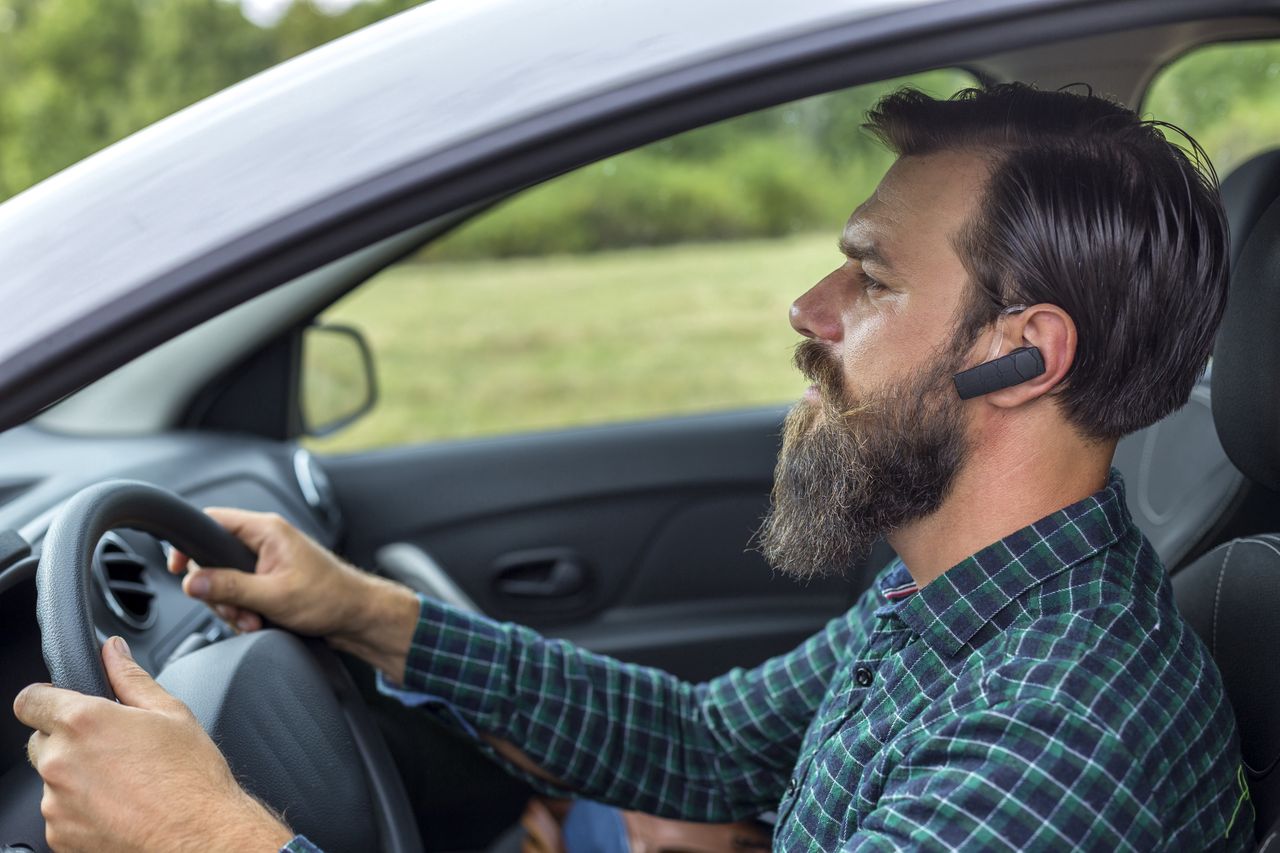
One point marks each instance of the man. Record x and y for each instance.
(1019, 678)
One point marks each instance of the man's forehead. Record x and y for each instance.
(919, 204)
(869, 233)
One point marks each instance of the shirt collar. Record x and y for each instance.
(951, 609)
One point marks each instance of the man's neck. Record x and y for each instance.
(1007, 483)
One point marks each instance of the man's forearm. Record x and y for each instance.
(567, 719)
(386, 617)
(381, 638)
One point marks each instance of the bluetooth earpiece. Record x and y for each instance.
(1021, 365)
(994, 374)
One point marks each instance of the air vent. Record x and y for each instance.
(121, 574)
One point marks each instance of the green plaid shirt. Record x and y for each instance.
(1043, 693)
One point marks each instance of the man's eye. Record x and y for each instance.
(870, 285)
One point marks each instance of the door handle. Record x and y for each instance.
(547, 573)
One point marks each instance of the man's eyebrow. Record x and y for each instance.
(864, 252)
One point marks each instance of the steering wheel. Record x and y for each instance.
(284, 710)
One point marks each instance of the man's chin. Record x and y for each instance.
(809, 413)
(851, 472)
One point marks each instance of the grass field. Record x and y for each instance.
(487, 347)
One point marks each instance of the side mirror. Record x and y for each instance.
(337, 384)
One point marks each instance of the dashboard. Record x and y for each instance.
(132, 593)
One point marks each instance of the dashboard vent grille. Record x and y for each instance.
(122, 577)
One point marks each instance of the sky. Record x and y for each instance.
(264, 13)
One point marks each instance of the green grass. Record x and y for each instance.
(488, 347)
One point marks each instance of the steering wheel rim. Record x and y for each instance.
(70, 647)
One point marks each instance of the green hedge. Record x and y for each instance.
(787, 170)
(766, 187)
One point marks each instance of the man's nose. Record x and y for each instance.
(816, 314)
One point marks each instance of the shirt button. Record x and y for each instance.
(792, 786)
(862, 675)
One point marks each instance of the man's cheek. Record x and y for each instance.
(865, 336)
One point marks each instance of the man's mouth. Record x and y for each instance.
(813, 393)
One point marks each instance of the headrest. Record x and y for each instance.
(1245, 393)
(1246, 194)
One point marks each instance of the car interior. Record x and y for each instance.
(631, 539)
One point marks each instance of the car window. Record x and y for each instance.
(1224, 96)
(653, 283)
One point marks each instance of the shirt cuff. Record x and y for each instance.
(461, 660)
(413, 699)
(459, 669)
(300, 844)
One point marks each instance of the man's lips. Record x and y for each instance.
(813, 393)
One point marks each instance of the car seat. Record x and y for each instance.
(1179, 481)
(1231, 595)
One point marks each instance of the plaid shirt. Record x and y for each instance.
(1043, 693)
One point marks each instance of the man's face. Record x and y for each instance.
(879, 437)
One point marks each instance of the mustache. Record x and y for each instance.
(817, 364)
(822, 368)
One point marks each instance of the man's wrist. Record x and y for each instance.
(250, 825)
(385, 616)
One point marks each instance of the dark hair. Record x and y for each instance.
(1092, 209)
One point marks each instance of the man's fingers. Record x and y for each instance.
(243, 620)
(251, 528)
(228, 586)
(44, 707)
(34, 744)
(178, 562)
(133, 685)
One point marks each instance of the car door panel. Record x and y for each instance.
(632, 540)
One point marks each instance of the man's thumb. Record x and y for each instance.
(132, 684)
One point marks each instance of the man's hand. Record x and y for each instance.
(301, 586)
(139, 775)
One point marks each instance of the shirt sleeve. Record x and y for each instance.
(623, 734)
(1030, 775)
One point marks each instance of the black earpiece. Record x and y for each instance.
(1018, 366)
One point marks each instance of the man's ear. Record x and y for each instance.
(1052, 331)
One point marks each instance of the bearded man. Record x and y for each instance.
(1017, 678)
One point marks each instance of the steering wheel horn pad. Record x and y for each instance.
(266, 704)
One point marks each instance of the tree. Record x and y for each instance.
(80, 74)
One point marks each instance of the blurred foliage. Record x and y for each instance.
(80, 74)
(791, 169)
(1224, 96)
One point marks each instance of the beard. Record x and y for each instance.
(852, 471)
